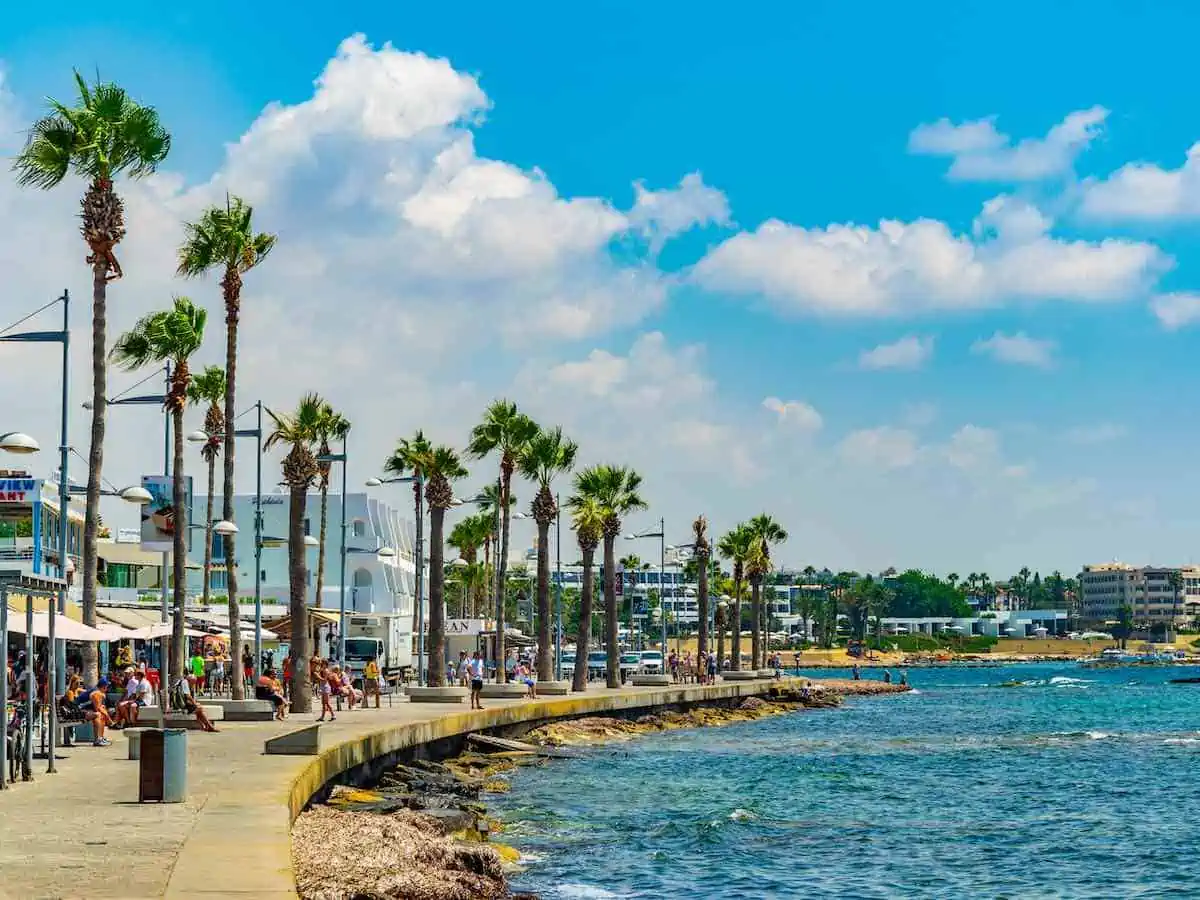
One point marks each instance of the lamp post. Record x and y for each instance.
(722, 607)
(419, 558)
(57, 660)
(558, 590)
(661, 534)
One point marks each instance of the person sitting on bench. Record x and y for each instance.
(182, 699)
(269, 689)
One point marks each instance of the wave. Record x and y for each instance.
(1190, 740)
(742, 815)
(1090, 735)
(585, 892)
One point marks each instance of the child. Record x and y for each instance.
(326, 688)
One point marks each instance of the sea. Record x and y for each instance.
(1023, 781)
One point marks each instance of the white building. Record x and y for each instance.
(1105, 588)
(374, 584)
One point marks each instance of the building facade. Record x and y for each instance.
(373, 584)
(1147, 591)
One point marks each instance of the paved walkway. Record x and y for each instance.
(81, 832)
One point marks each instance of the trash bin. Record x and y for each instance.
(162, 776)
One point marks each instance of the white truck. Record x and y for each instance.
(385, 638)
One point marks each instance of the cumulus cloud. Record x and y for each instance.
(884, 447)
(973, 447)
(905, 268)
(1017, 349)
(1145, 191)
(979, 152)
(910, 352)
(661, 215)
(795, 412)
(1176, 310)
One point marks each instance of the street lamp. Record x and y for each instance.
(722, 607)
(340, 458)
(662, 570)
(418, 555)
(17, 442)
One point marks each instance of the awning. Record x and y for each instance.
(316, 617)
(65, 629)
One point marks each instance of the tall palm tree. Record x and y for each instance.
(104, 135)
(504, 429)
(489, 505)
(1175, 582)
(441, 466)
(587, 518)
(614, 489)
(298, 430)
(631, 564)
(333, 426)
(224, 238)
(736, 545)
(547, 454)
(408, 459)
(701, 551)
(174, 335)
(766, 532)
(209, 387)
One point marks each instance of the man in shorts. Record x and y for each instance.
(476, 670)
(371, 682)
(98, 714)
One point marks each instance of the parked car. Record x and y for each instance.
(568, 664)
(652, 662)
(597, 664)
(631, 663)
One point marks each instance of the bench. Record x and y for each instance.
(152, 716)
(249, 710)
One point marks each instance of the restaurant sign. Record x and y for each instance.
(20, 490)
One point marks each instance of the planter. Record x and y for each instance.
(507, 691)
(650, 680)
(436, 694)
(553, 688)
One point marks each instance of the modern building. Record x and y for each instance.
(29, 510)
(1025, 623)
(374, 584)
(1146, 590)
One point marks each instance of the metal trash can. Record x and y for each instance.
(162, 776)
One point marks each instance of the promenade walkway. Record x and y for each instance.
(81, 832)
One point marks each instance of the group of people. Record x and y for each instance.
(330, 680)
(469, 674)
(856, 674)
(703, 668)
(211, 671)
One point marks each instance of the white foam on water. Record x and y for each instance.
(585, 892)
(1182, 741)
(742, 815)
(1097, 735)
(1065, 681)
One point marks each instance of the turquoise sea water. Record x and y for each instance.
(1078, 783)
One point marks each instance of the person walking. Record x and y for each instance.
(325, 686)
(371, 682)
(476, 671)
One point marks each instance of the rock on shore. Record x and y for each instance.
(339, 854)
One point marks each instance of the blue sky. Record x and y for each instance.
(1073, 446)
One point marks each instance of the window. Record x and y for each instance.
(358, 528)
(307, 525)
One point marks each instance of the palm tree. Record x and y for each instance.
(408, 459)
(701, 551)
(615, 490)
(467, 537)
(506, 430)
(173, 335)
(333, 426)
(441, 466)
(105, 135)
(299, 431)
(587, 517)
(766, 532)
(1175, 581)
(736, 546)
(224, 239)
(489, 505)
(631, 565)
(209, 387)
(547, 454)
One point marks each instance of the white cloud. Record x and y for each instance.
(795, 412)
(906, 268)
(1018, 349)
(910, 352)
(981, 153)
(1177, 309)
(661, 215)
(1099, 433)
(1146, 191)
(918, 415)
(973, 447)
(884, 447)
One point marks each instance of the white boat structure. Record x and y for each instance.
(1114, 657)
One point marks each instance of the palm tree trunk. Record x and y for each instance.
(91, 519)
(583, 634)
(437, 599)
(228, 541)
(502, 567)
(208, 526)
(179, 548)
(735, 640)
(298, 599)
(720, 640)
(320, 595)
(702, 606)
(610, 614)
(545, 660)
(755, 618)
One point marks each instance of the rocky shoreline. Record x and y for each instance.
(423, 832)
